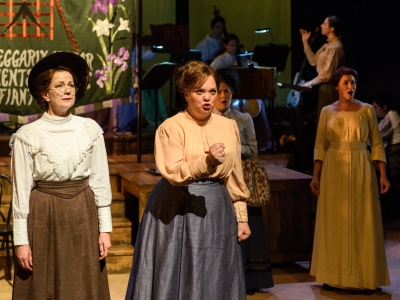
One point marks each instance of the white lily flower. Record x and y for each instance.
(123, 25)
(103, 27)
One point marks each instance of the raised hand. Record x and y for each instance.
(305, 35)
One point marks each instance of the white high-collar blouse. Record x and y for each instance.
(58, 149)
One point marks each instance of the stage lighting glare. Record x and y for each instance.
(262, 30)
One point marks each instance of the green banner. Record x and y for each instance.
(100, 31)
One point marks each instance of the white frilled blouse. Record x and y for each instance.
(58, 149)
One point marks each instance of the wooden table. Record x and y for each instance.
(139, 184)
(290, 215)
(136, 187)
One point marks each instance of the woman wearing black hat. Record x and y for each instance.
(255, 254)
(62, 225)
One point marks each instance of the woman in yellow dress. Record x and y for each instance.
(349, 250)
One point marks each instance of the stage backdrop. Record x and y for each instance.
(98, 30)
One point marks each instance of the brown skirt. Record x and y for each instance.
(63, 236)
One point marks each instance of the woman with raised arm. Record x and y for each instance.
(327, 59)
(61, 190)
(349, 251)
(187, 244)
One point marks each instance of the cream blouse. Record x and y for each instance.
(58, 149)
(182, 147)
(327, 59)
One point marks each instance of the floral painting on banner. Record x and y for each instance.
(100, 31)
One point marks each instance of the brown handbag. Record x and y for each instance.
(256, 180)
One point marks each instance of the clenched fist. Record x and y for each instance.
(217, 154)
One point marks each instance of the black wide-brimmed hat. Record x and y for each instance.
(230, 76)
(61, 59)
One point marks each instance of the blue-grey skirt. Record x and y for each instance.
(187, 245)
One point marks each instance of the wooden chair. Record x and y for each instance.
(6, 230)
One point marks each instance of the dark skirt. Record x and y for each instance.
(187, 245)
(393, 163)
(63, 236)
(327, 95)
(262, 129)
(390, 205)
(255, 253)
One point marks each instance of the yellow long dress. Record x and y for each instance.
(348, 244)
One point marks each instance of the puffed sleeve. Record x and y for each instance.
(321, 142)
(169, 155)
(22, 181)
(311, 56)
(234, 182)
(99, 182)
(249, 146)
(374, 137)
